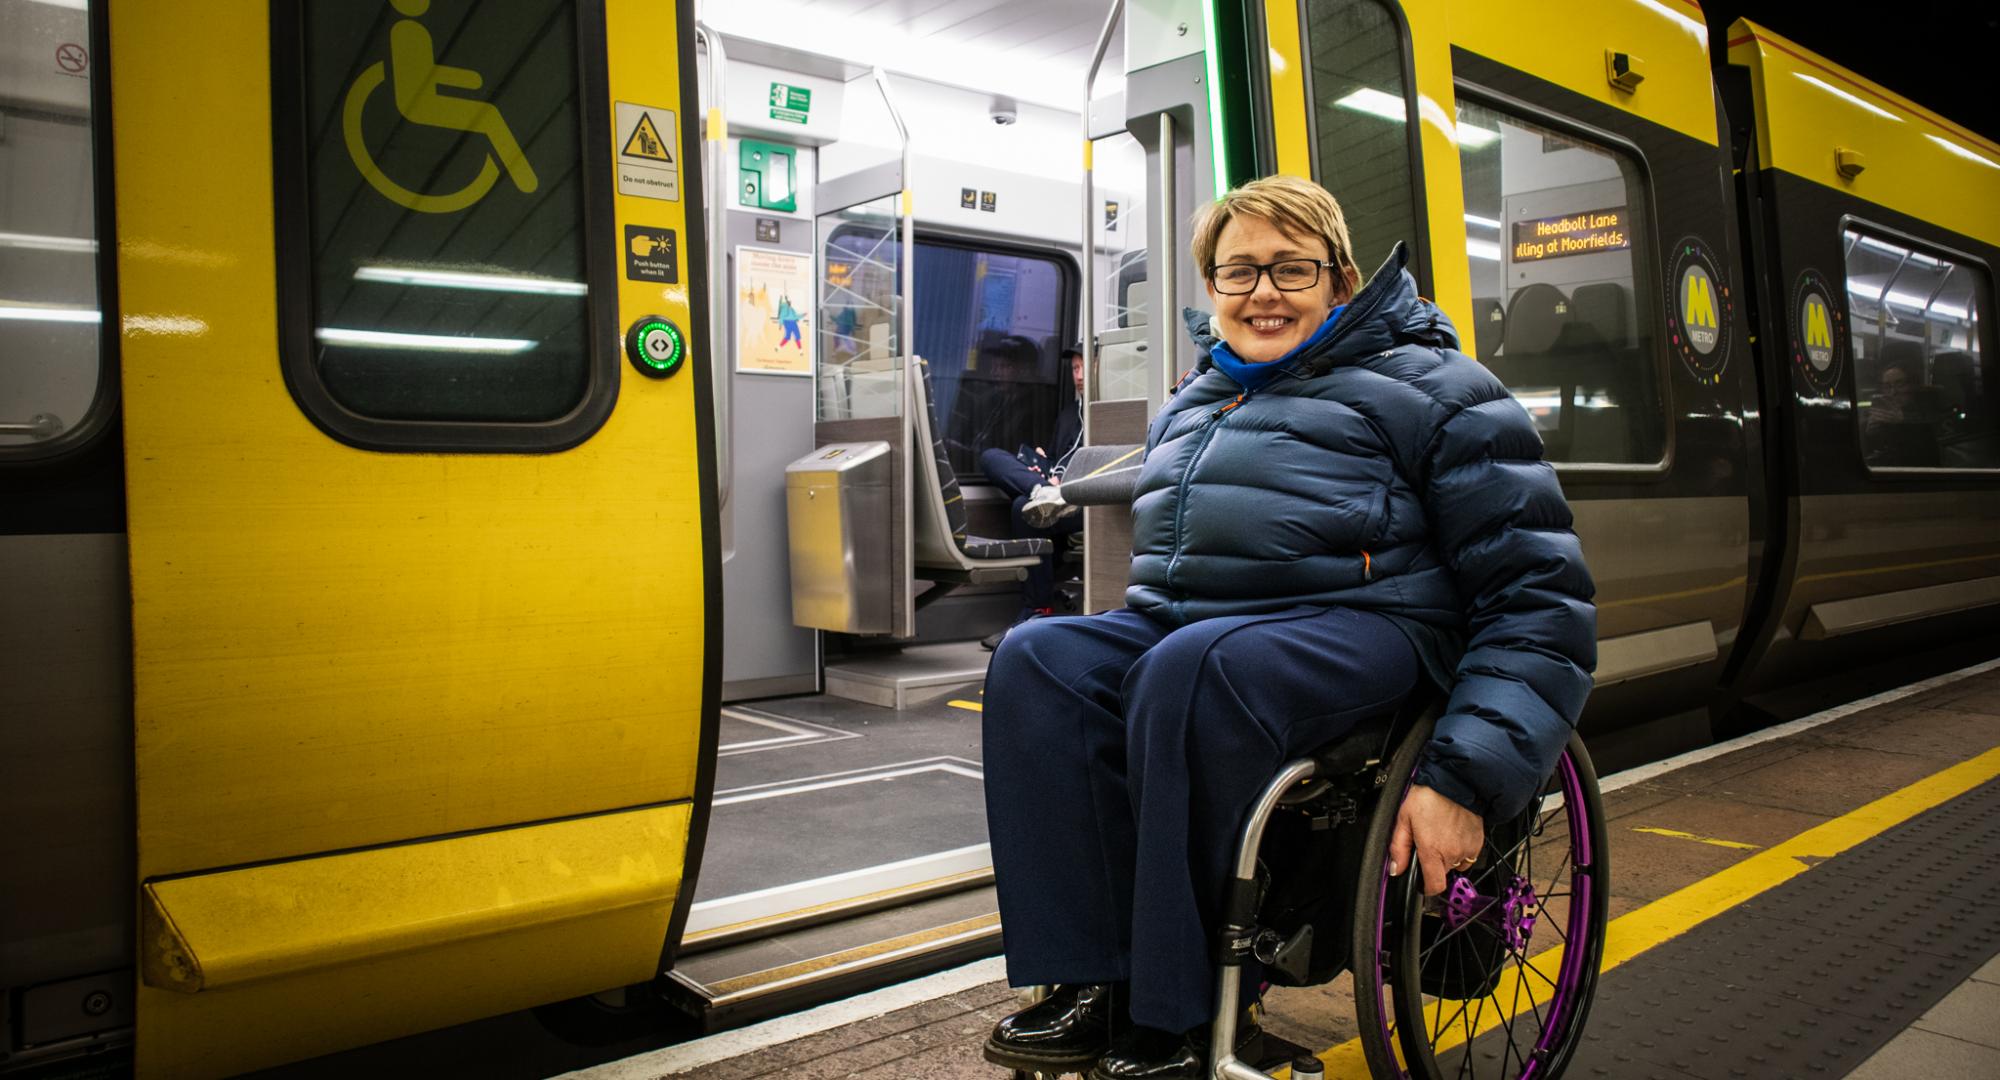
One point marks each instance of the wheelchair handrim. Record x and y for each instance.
(1568, 1000)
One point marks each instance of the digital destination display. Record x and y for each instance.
(1576, 234)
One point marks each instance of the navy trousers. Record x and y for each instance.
(1009, 475)
(1121, 755)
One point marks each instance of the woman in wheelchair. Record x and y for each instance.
(1337, 511)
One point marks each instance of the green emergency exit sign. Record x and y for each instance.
(790, 103)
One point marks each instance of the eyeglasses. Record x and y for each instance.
(1287, 275)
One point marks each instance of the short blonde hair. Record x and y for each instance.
(1297, 207)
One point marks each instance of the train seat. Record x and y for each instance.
(1535, 320)
(945, 551)
(1596, 364)
(1969, 440)
(1601, 306)
(1489, 327)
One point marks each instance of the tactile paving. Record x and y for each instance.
(1812, 977)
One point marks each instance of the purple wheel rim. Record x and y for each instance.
(1578, 946)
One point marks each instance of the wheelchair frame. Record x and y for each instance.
(1382, 756)
(1377, 759)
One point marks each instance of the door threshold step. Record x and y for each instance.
(908, 677)
(739, 984)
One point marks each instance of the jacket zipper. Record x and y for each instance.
(1211, 423)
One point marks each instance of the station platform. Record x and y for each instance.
(1819, 899)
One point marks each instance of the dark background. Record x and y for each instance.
(1941, 54)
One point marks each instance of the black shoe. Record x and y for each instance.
(1143, 1053)
(1065, 1032)
(992, 641)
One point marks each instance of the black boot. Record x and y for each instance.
(1064, 1032)
(1143, 1053)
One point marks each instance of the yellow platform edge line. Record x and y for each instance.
(1712, 841)
(1631, 934)
(974, 706)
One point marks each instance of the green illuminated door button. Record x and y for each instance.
(655, 346)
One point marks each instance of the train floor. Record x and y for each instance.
(1820, 899)
(817, 796)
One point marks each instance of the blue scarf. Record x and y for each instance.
(1252, 376)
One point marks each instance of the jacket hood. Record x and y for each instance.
(1387, 312)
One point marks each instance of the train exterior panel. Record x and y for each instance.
(1877, 228)
(419, 732)
(1649, 436)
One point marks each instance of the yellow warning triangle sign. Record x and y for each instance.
(646, 142)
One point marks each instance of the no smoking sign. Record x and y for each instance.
(71, 58)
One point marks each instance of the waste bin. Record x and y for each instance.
(838, 511)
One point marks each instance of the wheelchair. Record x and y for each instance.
(1493, 978)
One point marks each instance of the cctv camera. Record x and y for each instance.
(1004, 111)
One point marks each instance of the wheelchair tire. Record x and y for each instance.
(1495, 977)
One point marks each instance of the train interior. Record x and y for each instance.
(848, 826)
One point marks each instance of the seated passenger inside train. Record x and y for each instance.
(1018, 472)
(1337, 510)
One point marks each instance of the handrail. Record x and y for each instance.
(905, 620)
(1087, 324)
(715, 174)
(39, 426)
(1168, 315)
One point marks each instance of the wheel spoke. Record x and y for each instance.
(1568, 865)
(1443, 1022)
(1472, 1028)
(1520, 964)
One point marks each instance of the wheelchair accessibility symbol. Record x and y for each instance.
(417, 81)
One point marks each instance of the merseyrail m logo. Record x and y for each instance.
(1819, 335)
(1817, 332)
(1698, 315)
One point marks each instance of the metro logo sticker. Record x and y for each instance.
(1819, 333)
(1700, 311)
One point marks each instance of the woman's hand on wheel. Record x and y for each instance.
(1446, 837)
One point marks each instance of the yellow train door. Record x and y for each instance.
(423, 552)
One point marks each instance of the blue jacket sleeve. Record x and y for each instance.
(1501, 525)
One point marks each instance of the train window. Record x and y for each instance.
(1363, 123)
(990, 324)
(988, 321)
(1922, 392)
(55, 386)
(1554, 229)
(432, 225)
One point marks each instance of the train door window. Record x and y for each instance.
(55, 386)
(860, 313)
(433, 224)
(1554, 227)
(1364, 123)
(1922, 392)
(990, 324)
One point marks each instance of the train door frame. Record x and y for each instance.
(607, 808)
(70, 759)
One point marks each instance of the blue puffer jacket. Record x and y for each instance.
(1385, 470)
